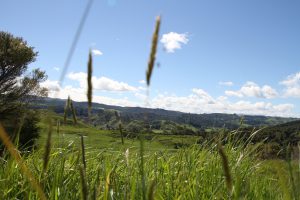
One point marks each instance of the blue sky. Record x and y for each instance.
(215, 56)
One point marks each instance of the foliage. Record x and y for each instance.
(23, 128)
(17, 87)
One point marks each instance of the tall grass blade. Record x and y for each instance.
(75, 40)
(107, 185)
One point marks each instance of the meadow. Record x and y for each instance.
(100, 167)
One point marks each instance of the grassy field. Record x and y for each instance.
(144, 169)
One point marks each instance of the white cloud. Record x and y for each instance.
(268, 92)
(201, 102)
(198, 101)
(234, 93)
(203, 96)
(56, 68)
(226, 83)
(97, 52)
(173, 41)
(292, 84)
(79, 94)
(251, 89)
(101, 83)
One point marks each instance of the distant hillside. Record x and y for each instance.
(104, 114)
(283, 133)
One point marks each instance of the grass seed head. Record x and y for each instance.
(153, 51)
(73, 112)
(48, 146)
(226, 168)
(89, 82)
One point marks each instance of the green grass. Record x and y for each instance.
(114, 170)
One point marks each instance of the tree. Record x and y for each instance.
(18, 87)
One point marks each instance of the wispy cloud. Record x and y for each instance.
(226, 83)
(56, 68)
(173, 41)
(251, 89)
(142, 81)
(97, 52)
